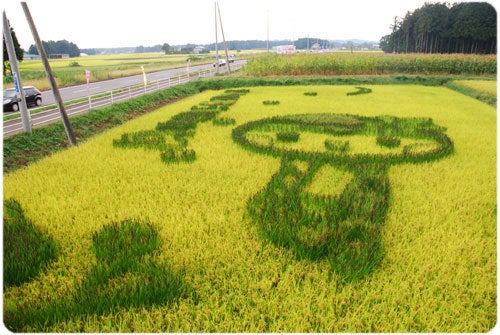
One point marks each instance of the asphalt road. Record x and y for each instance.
(156, 81)
(80, 91)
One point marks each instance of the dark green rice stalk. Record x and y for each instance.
(270, 102)
(343, 228)
(26, 249)
(125, 275)
(223, 121)
(287, 136)
(360, 90)
(311, 94)
(336, 145)
(180, 127)
(389, 141)
(177, 156)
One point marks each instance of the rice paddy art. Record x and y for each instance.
(125, 276)
(171, 137)
(342, 227)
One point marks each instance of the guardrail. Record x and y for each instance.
(107, 98)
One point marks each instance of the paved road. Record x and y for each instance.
(80, 91)
(156, 81)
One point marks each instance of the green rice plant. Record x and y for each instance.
(344, 229)
(388, 141)
(26, 249)
(223, 121)
(336, 145)
(311, 94)
(177, 156)
(287, 136)
(180, 127)
(360, 90)
(122, 251)
(270, 102)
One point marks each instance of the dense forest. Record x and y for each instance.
(57, 47)
(468, 27)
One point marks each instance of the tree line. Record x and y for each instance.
(57, 47)
(468, 27)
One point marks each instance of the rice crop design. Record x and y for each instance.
(345, 227)
(171, 137)
(26, 250)
(125, 276)
(360, 90)
(270, 102)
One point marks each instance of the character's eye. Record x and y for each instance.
(287, 136)
(388, 141)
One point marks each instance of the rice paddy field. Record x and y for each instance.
(484, 86)
(268, 209)
(71, 71)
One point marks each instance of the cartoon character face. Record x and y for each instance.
(346, 137)
(344, 227)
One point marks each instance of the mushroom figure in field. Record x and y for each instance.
(355, 153)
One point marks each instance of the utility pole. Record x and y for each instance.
(50, 76)
(224, 40)
(25, 116)
(216, 42)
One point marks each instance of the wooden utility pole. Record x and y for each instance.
(25, 116)
(50, 76)
(224, 40)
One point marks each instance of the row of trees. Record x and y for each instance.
(57, 47)
(468, 27)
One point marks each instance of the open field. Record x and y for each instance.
(187, 185)
(71, 71)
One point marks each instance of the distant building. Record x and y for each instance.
(30, 56)
(199, 49)
(58, 56)
(285, 49)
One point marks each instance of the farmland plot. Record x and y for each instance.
(389, 196)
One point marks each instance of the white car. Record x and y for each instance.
(222, 62)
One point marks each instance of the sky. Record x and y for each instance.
(119, 23)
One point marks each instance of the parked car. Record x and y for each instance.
(11, 102)
(231, 59)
